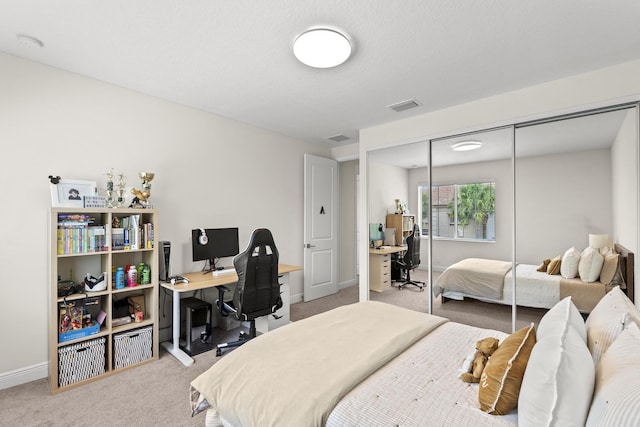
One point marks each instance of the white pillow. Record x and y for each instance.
(608, 318)
(569, 264)
(590, 265)
(616, 400)
(559, 317)
(558, 382)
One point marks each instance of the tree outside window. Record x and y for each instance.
(460, 211)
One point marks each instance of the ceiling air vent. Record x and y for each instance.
(338, 138)
(404, 105)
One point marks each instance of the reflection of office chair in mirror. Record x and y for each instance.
(258, 291)
(410, 260)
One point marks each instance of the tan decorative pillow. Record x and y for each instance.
(609, 268)
(554, 265)
(501, 379)
(611, 273)
(544, 265)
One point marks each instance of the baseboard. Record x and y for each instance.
(300, 297)
(436, 268)
(24, 375)
(347, 284)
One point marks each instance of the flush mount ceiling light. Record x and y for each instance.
(466, 146)
(322, 48)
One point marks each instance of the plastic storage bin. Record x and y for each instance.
(77, 362)
(132, 347)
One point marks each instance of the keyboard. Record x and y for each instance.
(223, 272)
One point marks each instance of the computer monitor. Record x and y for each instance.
(212, 243)
(376, 233)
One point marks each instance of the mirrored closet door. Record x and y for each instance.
(471, 219)
(521, 195)
(576, 177)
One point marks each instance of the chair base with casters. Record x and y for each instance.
(410, 260)
(404, 281)
(227, 308)
(257, 291)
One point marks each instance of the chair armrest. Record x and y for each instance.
(223, 308)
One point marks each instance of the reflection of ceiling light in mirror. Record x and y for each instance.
(322, 48)
(466, 146)
(29, 41)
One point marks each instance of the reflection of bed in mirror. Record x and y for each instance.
(491, 281)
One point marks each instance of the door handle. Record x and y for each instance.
(308, 245)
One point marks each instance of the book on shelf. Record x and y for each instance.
(126, 238)
(71, 240)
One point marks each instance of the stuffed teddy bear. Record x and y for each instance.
(474, 363)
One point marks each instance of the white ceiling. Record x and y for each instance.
(234, 59)
(590, 132)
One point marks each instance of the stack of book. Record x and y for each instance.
(77, 233)
(132, 234)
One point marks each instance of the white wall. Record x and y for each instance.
(387, 184)
(624, 191)
(589, 90)
(560, 199)
(210, 172)
(347, 174)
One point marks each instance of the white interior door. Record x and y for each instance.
(320, 227)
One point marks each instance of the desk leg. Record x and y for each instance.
(174, 347)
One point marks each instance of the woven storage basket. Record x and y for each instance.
(80, 361)
(132, 347)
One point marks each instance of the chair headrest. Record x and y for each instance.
(261, 237)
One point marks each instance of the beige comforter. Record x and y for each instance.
(295, 375)
(474, 276)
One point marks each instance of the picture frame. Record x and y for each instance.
(70, 192)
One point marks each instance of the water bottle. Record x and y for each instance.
(119, 278)
(146, 275)
(132, 276)
(140, 268)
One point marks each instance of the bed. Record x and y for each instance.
(491, 281)
(371, 363)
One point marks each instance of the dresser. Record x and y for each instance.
(380, 267)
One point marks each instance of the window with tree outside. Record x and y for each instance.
(460, 211)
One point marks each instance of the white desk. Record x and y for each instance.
(199, 281)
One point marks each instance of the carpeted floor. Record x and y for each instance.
(470, 312)
(156, 394)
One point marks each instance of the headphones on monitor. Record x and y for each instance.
(203, 239)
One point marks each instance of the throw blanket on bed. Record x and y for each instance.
(474, 276)
(584, 295)
(295, 375)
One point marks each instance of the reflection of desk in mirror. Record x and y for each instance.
(199, 281)
(380, 267)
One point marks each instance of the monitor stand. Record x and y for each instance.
(209, 266)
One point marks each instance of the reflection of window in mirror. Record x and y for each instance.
(460, 211)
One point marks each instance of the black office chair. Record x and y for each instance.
(410, 260)
(258, 290)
